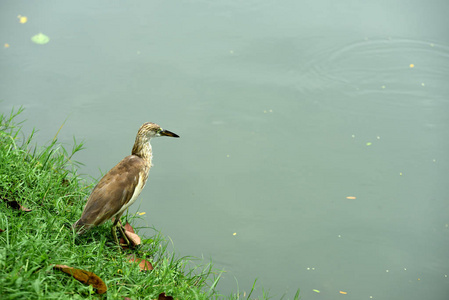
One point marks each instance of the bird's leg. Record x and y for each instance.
(118, 224)
(122, 232)
(114, 233)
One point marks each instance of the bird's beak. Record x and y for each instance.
(168, 133)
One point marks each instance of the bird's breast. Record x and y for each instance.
(141, 180)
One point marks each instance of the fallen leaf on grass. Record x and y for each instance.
(132, 237)
(85, 277)
(128, 227)
(144, 265)
(15, 205)
(162, 296)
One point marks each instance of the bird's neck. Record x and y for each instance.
(143, 150)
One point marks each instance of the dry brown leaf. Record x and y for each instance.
(129, 228)
(85, 277)
(15, 205)
(162, 296)
(133, 238)
(144, 265)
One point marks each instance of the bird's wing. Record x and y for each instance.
(113, 191)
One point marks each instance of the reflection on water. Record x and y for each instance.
(284, 110)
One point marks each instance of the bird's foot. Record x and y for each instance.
(122, 232)
(119, 226)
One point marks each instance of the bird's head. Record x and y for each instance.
(150, 130)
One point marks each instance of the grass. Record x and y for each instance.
(45, 180)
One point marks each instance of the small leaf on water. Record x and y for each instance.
(351, 197)
(84, 277)
(316, 291)
(22, 19)
(142, 213)
(369, 144)
(343, 293)
(40, 39)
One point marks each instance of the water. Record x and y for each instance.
(284, 110)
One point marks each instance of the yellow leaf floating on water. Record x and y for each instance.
(235, 233)
(22, 19)
(6, 45)
(40, 39)
(351, 197)
(412, 65)
(142, 213)
(343, 293)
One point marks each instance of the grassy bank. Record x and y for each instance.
(41, 195)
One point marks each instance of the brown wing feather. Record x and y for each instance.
(113, 191)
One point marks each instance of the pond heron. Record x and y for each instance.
(121, 186)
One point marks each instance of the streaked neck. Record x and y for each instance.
(142, 148)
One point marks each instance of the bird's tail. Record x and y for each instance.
(80, 227)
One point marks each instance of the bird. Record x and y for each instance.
(121, 186)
